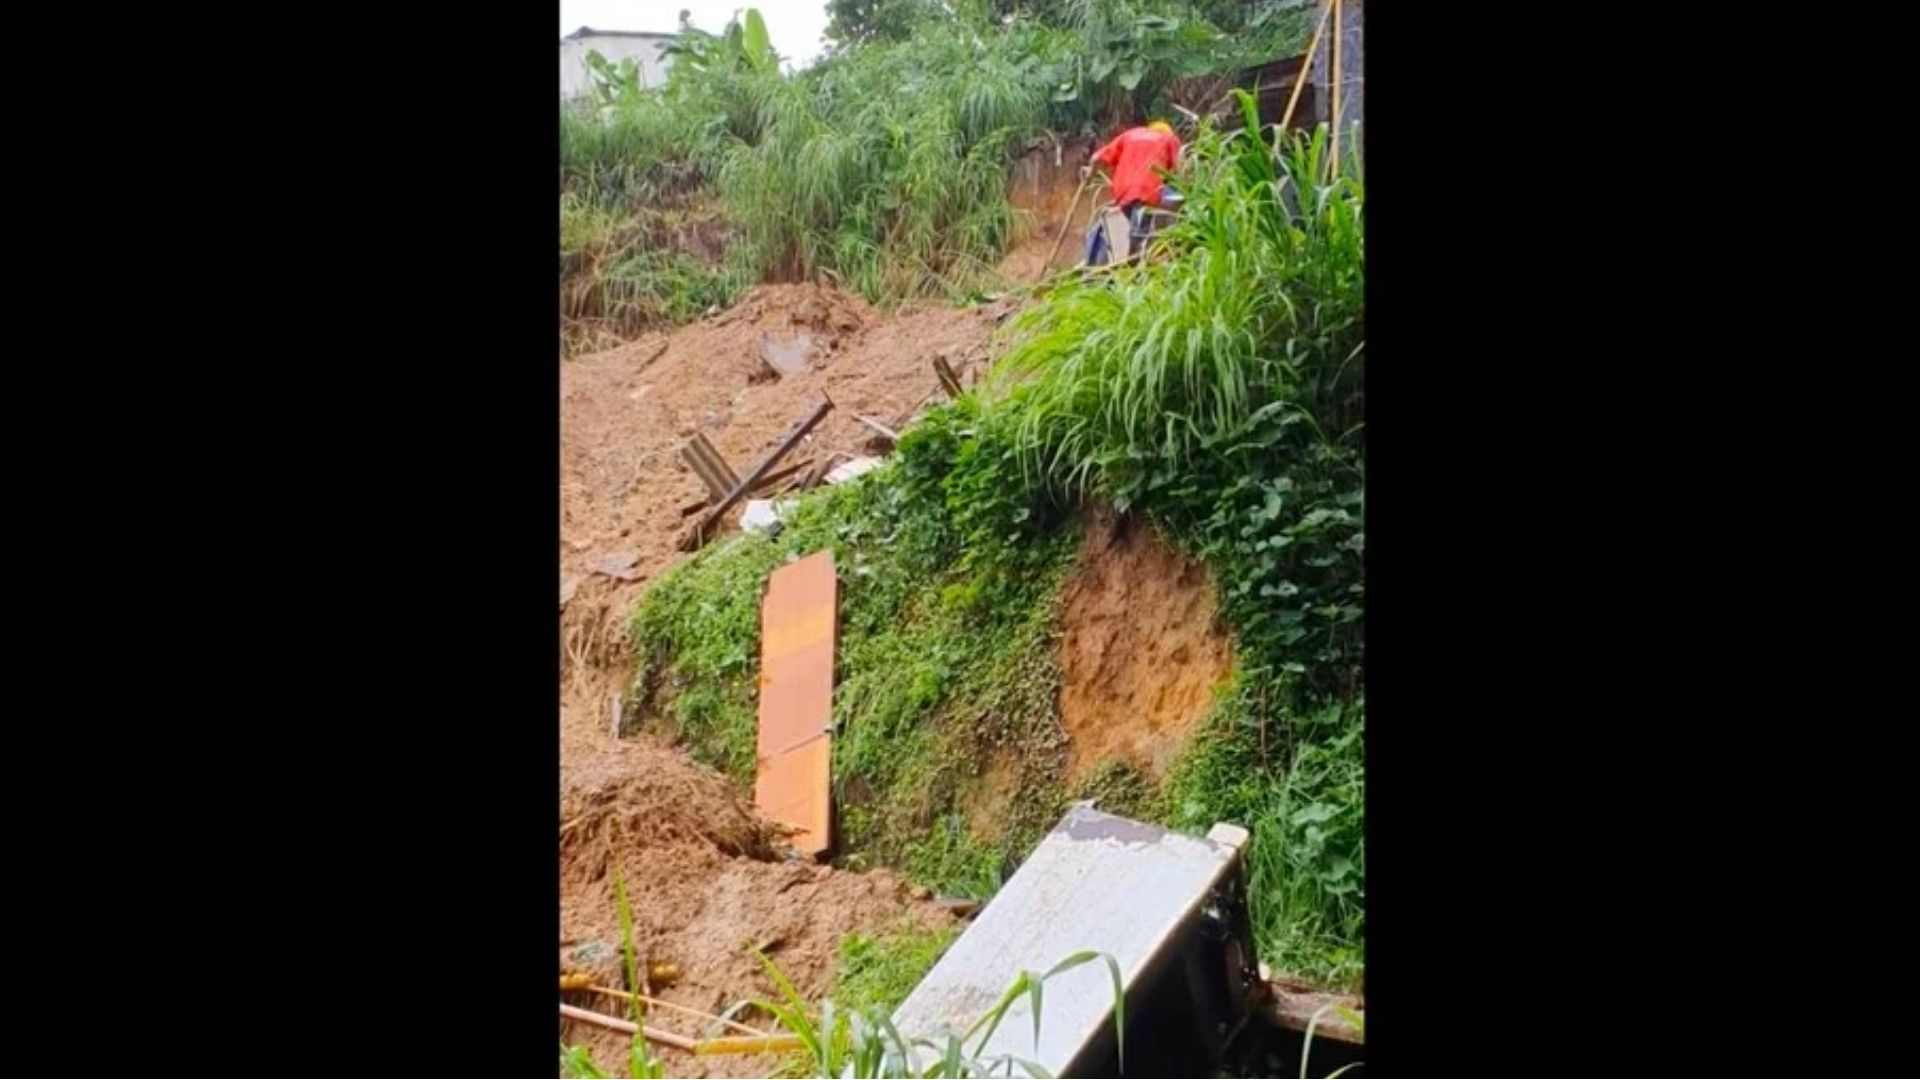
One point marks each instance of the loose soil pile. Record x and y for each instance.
(706, 884)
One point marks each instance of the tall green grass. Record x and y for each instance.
(885, 164)
(1219, 391)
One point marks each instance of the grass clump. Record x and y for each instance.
(879, 971)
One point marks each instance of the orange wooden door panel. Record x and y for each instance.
(799, 622)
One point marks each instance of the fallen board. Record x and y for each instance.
(1096, 883)
(799, 620)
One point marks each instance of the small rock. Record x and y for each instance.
(619, 565)
(921, 892)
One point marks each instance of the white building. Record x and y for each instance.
(615, 45)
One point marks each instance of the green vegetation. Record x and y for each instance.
(884, 164)
(879, 972)
(931, 626)
(1230, 413)
(862, 1042)
(1217, 392)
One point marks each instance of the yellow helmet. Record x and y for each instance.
(1161, 126)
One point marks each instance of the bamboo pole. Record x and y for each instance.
(1306, 68)
(653, 1002)
(1334, 112)
(628, 1027)
(765, 1044)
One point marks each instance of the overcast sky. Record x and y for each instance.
(794, 25)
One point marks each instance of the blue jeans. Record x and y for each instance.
(1140, 226)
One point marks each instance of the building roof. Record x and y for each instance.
(588, 31)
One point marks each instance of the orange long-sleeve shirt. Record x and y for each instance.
(1132, 157)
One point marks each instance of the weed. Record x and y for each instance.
(576, 1063)
(1118, 786)
(852, 1042)
(878, 972)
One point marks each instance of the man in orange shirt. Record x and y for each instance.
(1134, 160)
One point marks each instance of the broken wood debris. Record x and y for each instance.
(886, 432)
(769, 484)
(959, 908)
(703, 528)
(1293, 1007)
(949, 381)
(707, 464)
(815, 475)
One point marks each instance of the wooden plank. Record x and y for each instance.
(701, 457)
(949, 381)
(1293, 1008)
(886, 432)
(717, 462)
(799, 622)
(791, 790)
(1097, 882)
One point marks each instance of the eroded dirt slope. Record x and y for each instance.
(1141, 650)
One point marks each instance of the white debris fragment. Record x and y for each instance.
(764, 515)
(851, 468)
(760, 516)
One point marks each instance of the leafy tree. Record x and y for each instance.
(854, 22)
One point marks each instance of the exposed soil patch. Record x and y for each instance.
(625, 413)
(705, 885)
(1140, 648)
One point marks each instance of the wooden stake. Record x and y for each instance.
(1066, 223)
(1306, 68)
